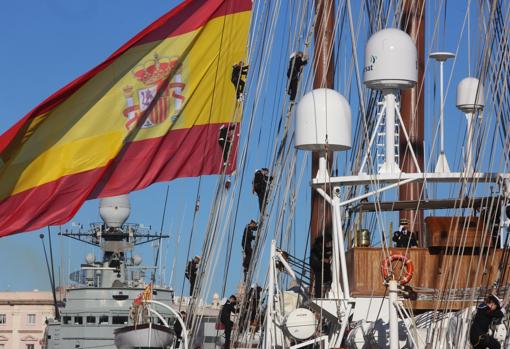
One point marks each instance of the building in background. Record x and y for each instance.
(23, 318)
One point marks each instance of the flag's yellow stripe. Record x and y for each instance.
(88, 129)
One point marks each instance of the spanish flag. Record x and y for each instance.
(155, 110)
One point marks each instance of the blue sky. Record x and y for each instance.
(47, 43)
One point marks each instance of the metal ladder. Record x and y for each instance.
(381, 140)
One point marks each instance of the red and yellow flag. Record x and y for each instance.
(153, 111)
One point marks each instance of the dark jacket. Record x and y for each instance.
(405, 238)
(238, 71)
(260, 182)
(191, 270)
(248, 237)
(317, 257)
(482, 320)
(296, 64)
(227, 309)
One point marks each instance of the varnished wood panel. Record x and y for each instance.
(431, 270)
(456, 231)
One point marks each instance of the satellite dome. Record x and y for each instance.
(90, 258)
(137, 259)
(390, 61)
(470, 97)
(323, 119)
(114, 210)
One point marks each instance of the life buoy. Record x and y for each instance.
(407, 274)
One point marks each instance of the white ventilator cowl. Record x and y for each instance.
(470, 97)
(390, 61)
(323, 120)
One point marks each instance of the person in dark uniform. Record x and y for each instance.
(261, 180)
(228, 308)
(320, 262)
(238, 71)
(487, 313)
(191, 273)
(296, 63)
(178, 329)
(225, 138)
(248, 237)
(403, 237)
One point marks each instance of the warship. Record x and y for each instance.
(101, 297)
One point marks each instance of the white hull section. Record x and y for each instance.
(144, 336)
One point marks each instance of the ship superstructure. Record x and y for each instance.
(104, 290)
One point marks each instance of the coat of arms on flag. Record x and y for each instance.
(152, 75)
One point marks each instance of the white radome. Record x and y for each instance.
(470, 96)
(115, 210)
(90, 258)
(390, 61)
(137, 259)
(301, 324)
(323, 119)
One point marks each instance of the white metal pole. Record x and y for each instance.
(392, 301)
(441, 113)
(390, 166)
(341, 246)
(469, 151)
(270, 296)
(335, 261)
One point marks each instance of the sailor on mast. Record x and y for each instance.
(296, 63)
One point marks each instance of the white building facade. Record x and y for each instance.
(23, 318)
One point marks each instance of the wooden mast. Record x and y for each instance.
(412, 110)
(320, 219)
(324, 73)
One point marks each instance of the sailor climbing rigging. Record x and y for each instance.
(296, 63)
(191, 272)
(238, 71)
(261, 179)
(248, 238)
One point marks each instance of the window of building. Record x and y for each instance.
(119, 320)
(103, 320)
(3, 319)
(31, 319)
(91, 319)
(66, 320)
(78, 320)
(30, 346)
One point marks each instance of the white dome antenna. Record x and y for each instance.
(390, 65)
(323, 122)
(115, 210)
(470, 101)
(390, 61)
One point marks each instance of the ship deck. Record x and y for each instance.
(434, 269)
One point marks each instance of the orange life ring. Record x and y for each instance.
(408, 266)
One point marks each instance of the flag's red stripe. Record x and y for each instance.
(180, 153)
(184, 18)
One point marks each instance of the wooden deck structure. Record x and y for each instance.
(433, 270)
